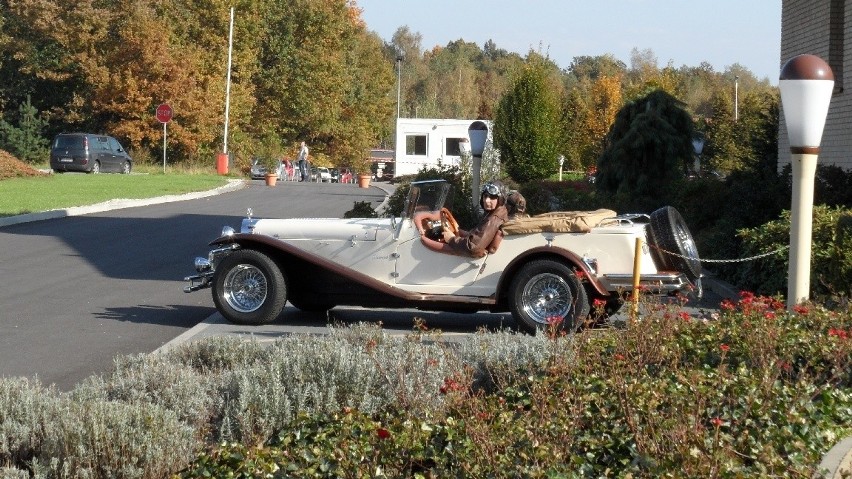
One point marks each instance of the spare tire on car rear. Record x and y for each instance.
(672, 245)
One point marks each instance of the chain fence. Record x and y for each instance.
(739, 260)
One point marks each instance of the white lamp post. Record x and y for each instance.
(806, 83)
(736, 98)
(398, 83)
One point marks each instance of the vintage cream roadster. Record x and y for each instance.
(545, 269)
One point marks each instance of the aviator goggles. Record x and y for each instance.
(491, 190)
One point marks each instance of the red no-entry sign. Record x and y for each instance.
(164, 113)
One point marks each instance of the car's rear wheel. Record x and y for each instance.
(249, 288)
(547, 292)
(672, 244)
(96, 167)
(125, 167)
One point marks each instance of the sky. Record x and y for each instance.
(683, 32)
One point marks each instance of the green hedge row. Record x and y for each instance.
(756, 392)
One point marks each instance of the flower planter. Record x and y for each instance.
(271, 179)
(363, 181)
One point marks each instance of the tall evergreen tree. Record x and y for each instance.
(527, 128)
(648, 146)
(26, 140)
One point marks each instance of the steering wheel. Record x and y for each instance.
(448, 223)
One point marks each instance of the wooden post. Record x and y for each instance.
(637, 262)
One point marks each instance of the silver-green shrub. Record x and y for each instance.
(358, 368)
(99, 439)
(157, 380)
(152, 414)
(24, 403)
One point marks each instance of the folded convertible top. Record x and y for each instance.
(559, 222)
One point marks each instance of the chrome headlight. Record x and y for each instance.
(227, 231)
(202, 264)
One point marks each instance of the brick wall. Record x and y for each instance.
(806, 27)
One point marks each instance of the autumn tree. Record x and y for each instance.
(648, 146)
(590, 109)
(527, 125)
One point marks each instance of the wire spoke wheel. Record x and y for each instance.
(249, 288)
(245, 288)
(546, 296)
(547, 293)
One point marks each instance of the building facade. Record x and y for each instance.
(822, 28)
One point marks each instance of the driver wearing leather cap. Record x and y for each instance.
(484, 237)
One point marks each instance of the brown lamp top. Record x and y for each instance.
(806, 67)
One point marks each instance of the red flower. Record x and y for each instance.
(581, 275)
(838, 332)
(685, 316)
(619, 357)
(746, 297)
(554, 320)
(716, 421)
(769, 315)
(800, 309)
(598, 303)
(724, 347)
(382, 433)
(727, 305)
(451, 385)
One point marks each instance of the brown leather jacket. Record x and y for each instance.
(477, 242)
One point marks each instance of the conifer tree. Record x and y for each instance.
(26, 140)
(648, 146)
(527, 128)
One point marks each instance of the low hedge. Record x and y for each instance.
(754, 392)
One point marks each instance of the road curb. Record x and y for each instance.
(116, 204)
(837, 462)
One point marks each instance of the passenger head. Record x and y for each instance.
(493, 189)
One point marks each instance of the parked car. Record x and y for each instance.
(258, 169)
(545, 267)
(89, 153)
(323, 174)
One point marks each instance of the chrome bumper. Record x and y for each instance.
(206, 268)
(660, 283)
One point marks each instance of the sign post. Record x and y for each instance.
(164, 116)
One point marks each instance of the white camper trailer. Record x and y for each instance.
(429, 142)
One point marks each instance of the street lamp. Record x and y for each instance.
(806, 83)
(399, 59)
(736, 98)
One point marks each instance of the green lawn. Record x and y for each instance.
(57, 191)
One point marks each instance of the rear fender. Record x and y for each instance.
(551, 252)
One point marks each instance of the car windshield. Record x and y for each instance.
(428, 196)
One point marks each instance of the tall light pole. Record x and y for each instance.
(736, 98)
(399, 59)
(806, 83)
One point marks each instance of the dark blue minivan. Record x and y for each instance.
(89, 153)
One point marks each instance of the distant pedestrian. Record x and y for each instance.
(303, 161)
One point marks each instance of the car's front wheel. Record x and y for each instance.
(125, 167)
(249, 288)
(547, 292)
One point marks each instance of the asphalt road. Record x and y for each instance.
(77, 291)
